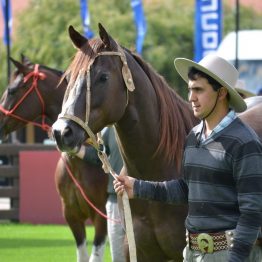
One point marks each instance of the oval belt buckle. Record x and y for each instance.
(205, 243)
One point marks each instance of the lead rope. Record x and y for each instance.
(127, 210)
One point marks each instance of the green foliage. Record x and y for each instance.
(42, 32)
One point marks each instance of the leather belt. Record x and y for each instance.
(210, 242)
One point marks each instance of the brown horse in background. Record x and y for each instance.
(252, 116)
(151, 121)
(45, 100)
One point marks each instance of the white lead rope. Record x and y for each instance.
(127, 210)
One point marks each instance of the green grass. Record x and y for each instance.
(41, 243)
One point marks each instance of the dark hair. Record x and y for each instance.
(194, 73)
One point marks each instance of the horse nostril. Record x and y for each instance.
(56, 134)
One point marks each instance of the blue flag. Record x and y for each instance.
(140, 24)
(85, 18)
(208, 27)
(7, 21)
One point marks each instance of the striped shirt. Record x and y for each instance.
(222, 184)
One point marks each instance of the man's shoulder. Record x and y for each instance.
(243, 130)
(238, 133)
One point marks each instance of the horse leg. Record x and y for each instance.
(99, 241)
(77, 226)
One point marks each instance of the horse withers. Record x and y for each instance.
(33, 93)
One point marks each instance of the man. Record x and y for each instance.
(115, 230)
(221, 168)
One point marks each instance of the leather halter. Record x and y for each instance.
(128, 79)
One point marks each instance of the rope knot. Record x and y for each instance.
(35, 74)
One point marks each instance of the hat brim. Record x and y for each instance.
(245, 93)
(183, 65)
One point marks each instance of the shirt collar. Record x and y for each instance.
(227, 120)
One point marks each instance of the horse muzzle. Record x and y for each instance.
(65, 137)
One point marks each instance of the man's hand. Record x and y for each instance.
(122, 183)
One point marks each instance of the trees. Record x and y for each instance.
(42, 31)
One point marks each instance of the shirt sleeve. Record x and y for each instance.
(247, 170)
(91, 156)
(171, 192)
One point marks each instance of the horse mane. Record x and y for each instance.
(54, 70)
(175, 115)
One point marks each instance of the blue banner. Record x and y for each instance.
(7, 15)
(208, 27)
(85, 18)
(140, 22)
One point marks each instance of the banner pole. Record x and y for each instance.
(7, 39)
(237, 29)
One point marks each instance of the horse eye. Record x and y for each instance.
(104, 77)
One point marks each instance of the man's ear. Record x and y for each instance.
(223, 92)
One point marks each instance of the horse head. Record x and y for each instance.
(97, 93)
(27, 96)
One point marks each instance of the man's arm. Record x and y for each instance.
(173, 191)
(89, 154)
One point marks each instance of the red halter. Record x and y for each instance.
(36, 75)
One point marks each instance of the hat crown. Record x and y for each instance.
(220, 67)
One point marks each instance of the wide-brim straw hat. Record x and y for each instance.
(220, 70)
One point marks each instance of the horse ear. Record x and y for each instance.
(77, 39)
(21, 67)
(25, 60)
(108, 41)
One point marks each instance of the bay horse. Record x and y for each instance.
(45, 100)
(151, 122)
(109, 84)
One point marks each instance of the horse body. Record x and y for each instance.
(92, 179)
(253, 117)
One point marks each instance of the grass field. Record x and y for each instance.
(40, 243)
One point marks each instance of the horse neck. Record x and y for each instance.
(138, 133)
(145, 128)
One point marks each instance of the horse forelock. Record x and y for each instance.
(175, 116)
(82, 59)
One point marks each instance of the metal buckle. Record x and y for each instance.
(205, 243)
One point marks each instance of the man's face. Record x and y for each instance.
(202, 97)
